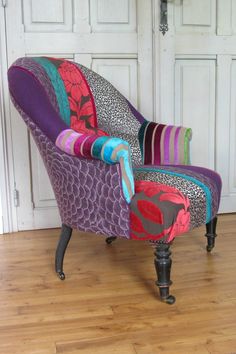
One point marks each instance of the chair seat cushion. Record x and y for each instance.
(170, 200)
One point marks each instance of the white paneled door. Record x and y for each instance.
(198, 83)
(112, 37)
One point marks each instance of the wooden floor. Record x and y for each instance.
(109, 303)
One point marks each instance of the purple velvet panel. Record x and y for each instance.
(39, 72)
(88, 192)
(32, 98)
(212, 175)
(137, 115)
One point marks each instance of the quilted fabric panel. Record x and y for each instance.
(88, 193)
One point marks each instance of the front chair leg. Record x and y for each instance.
(64, 239)
(162, 263)
(211, 234)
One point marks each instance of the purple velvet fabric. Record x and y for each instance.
(32, 66)
(88, 192)
(137, 115)
(30, 95)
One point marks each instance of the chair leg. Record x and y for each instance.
(64, 239)
(162, 263)
(110, 239)
(211, 234)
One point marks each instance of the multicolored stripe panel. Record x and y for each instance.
(74, 96)
(164, 144)
(108, 149)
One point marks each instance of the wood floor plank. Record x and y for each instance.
(109, 302)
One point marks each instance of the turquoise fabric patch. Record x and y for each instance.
(98, 145)
(58, 86)
(115, 150)
(192, 179)
(141, 137)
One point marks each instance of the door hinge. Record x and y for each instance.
(16, 197)
(4, 3)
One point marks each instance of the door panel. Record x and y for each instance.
(195, 107)
(195, 16)
(122, 73)
(113, 15)
(47, 16)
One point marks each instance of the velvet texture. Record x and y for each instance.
(95, 186)
(164, 144)
(108, 149)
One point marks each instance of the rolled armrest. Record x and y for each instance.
(164, 144)
(111, 150)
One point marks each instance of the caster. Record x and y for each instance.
(61, 275)
(169, 300)
(209, 248)
(109, 240)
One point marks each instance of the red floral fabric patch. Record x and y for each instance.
(83, 115)
(158, 212)
(82, 108)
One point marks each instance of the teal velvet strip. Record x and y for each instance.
(141, 137)
(58, 86)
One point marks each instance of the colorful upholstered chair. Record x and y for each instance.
(112, 171)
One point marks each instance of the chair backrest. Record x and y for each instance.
(73, 96)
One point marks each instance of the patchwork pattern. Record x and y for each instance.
(92, 195)
(58, 87)
(164, 144)
(73, 94)
(114, 113)
(108, 149)
(32, 66)
(88, 192)
(197, 185)
(158, 212)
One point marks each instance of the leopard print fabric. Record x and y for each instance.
(113, 112)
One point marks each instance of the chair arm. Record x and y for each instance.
(164, 144)
(111, 150)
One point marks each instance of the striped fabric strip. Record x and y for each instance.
(58, 86)
(66, 141)
(164, 144)
(204, 187)
(108, 149)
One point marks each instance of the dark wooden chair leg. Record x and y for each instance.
(162, 263)
(64, 239)
(110, 239)
(211, 234)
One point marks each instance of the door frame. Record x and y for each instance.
(8, 221)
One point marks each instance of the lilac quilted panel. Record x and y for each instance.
(88, 192)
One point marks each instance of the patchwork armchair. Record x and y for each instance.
(112, 171)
